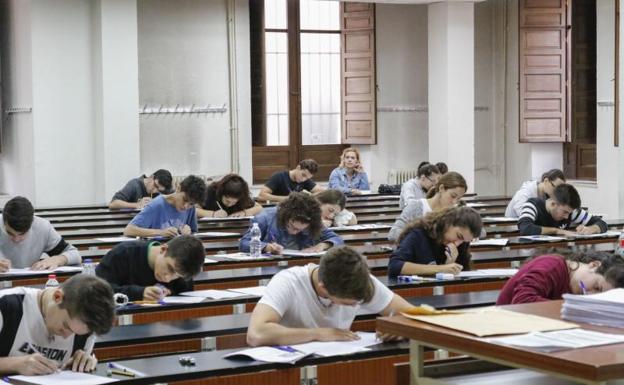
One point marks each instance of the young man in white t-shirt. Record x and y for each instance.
(42, 331)
(319, 303)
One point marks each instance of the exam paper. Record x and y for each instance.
(116, 239)
(211, 219)
(255, 290)
(181, 299)
(338, 348)
(299, 253)
(216, 234)
(210, 293)
(278, 354)
(562, 339)
(487, 273)
(65, 377)
(241, 257)
(547, 238)
(490, 242)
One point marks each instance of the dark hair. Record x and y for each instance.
(611, 265)
(89, 299)
(332, 197)
(194, 188)
(449, 180)
(188, 253)
(233, 185)
(310, 165)
(436, 223)
(566, 194)
(427, 170)
(303, 208)
(164, 179)
(19, 214)
(553, 175)
(422, 164)
(345, 274)
(442, 167)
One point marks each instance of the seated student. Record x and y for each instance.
(294, 224)
(548, 277)
(417, 188)
(172, 214)
(228, 197)
(283, 183)
(450, 188)
(138, 192)
(558, 213)
(437, 243)
(349, 177)
(333, 212)
(319, 303)
(29, 241)
(148, 271)
(534, 189)
(44, 330)
(442, 167)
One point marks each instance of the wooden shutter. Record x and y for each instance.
(544, 71)
(358, 73)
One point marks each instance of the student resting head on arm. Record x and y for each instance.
(446, 193)
(44, 330)
(319, 303)
(557, 214)
(283, 183)
(437, 243)
(294, 224)
(138, 192)
(172, 214)
(417, 188)
(30, 241)
(535, 189)
(228, 197)
(349, 177)
(548, 277)
(442, 167)
(333, 210)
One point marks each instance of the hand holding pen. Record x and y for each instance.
(451, 253)
(155, 293)
(34, 363)
(272, 246)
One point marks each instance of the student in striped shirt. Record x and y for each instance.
(558, 214)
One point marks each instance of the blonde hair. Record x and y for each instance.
(357, 156)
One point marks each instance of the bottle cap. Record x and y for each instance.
(51, 276)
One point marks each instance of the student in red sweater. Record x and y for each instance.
(548, 277)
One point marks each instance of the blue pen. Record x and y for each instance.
(583, 288)
(286, 348)
(405, 278)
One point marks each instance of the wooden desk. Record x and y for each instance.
(587, 366)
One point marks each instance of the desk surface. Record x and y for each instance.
(590, 364)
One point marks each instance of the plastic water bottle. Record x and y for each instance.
(255, 246)
(52, 282)
(88, 267)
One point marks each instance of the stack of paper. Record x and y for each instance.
(606, 308)
(482, 273)
(489, 242)
(560, 339)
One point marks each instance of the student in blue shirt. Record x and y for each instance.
(172, 214)
(437, 243)
(349, 177)
(294, 224)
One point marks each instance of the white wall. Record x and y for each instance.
(183, 60)
(402, 137)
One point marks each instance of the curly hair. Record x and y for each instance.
(194, 188)
(310, 165)
(436, 223)
(233, 185)
(303, 208)
(449, 180)
(332, 197)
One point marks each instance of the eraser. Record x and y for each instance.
(444, 276)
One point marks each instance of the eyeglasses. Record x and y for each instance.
(294, 228)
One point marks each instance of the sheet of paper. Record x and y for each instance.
(338, 348)
(26, 271)
(210, 219)
(65, 377)
(214, 294)
(365, 226)
(241, 257)
(68, 269)
(490, 242)
(255, 290)
(279, 354)
(487, 273)
(216, 234)
(499, 219)
(299, 253)
(208, 260)
(572, 338)
(601, 235)
(116, 239)
(547, 238)
(494, 321)
(181, 299)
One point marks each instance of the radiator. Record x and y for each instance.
(401, 176)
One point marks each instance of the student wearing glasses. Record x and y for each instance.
(437, 243)
(349, 178)
(319, 302)
(138, 192)
(294, 224)
(534, 189)
(558, 214)
(417, 188)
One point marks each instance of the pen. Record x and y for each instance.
(122, 372)
(583, 288)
